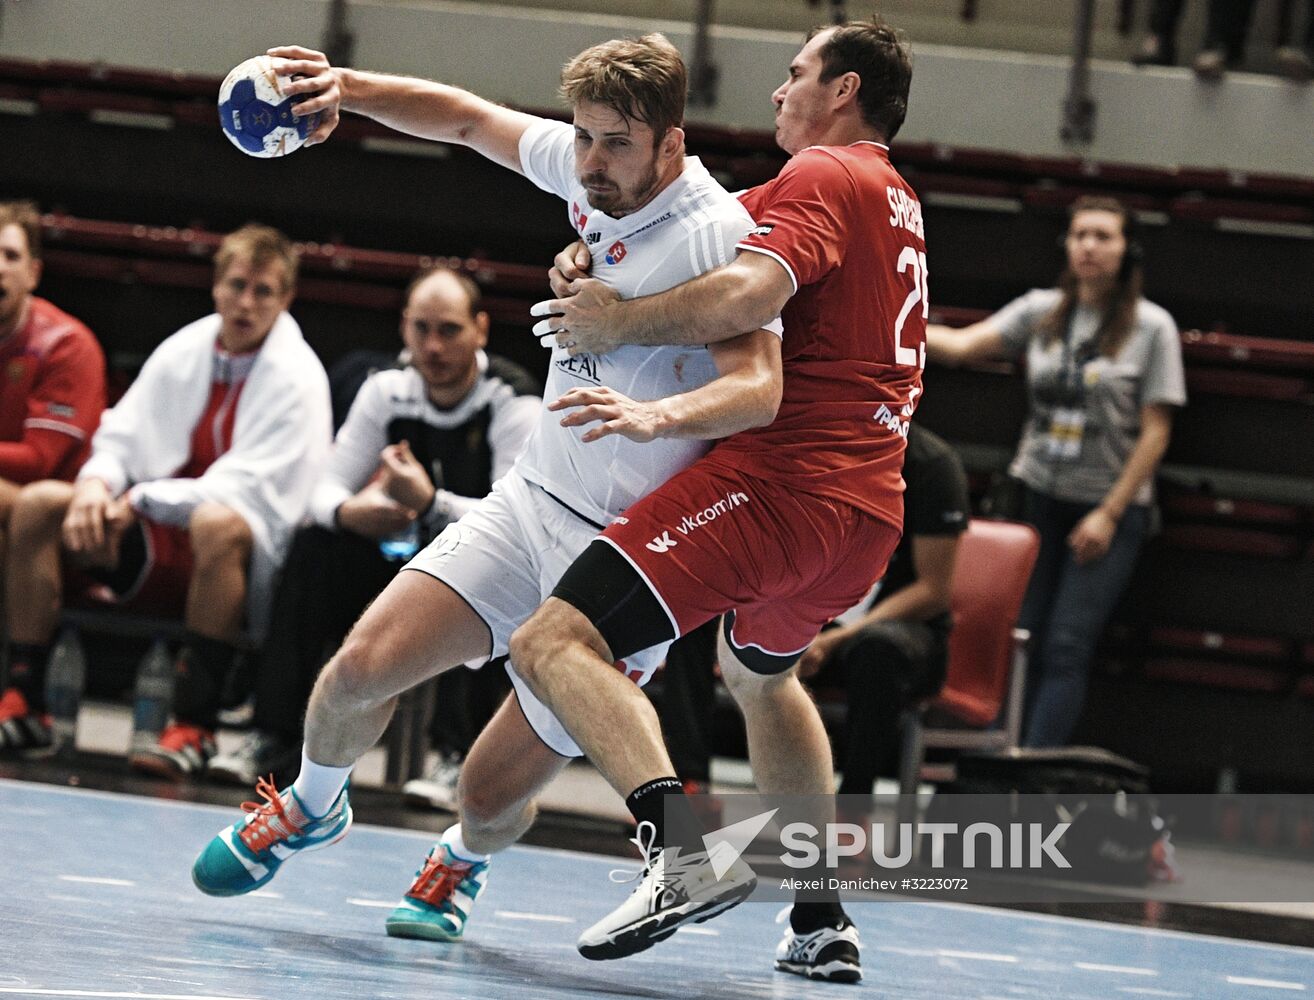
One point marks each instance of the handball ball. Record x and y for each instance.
(255, 113)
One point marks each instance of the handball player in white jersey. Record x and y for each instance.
(614, 429)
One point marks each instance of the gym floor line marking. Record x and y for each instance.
(93, 880)
(379, 903)
(29, 992)
(1272, 984)
(979, 956)
(1129, 970)
(548, 918)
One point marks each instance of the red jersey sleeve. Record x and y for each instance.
(63, 409)
(801, 216)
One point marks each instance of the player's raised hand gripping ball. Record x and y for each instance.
(256, 114)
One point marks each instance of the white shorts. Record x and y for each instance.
(504, 557)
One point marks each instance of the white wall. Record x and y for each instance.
(961, 97)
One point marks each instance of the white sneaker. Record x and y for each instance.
(830, 954)
(437, 789)
(674, 888)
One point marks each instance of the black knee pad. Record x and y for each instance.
(611, 594)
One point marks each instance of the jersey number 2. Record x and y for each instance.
(916, 261)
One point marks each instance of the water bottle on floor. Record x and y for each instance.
(152, 698)
(65, 680)
(401, 546)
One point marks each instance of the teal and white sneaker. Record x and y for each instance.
(249, 853)
(437, 905)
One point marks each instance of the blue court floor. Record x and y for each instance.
(98, 902)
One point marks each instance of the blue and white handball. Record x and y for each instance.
(256, 114)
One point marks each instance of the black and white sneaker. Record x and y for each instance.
(437, 789)
(674, 888)
(830, 954)
(259, 754)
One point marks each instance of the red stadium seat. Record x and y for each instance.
(987, 652)
(1250, 385)
(1271, 648)
(1212, 673)
(1233, 541)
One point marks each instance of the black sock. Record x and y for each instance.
(814, 914)
(27, 672)
(202, 667)
(662, 803)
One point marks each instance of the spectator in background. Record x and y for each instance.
(52, 391)
(196, 480)
(1225, 40)
(420, 446)
(1159, 46)
(1225, 37)
(897, 652)
(1295, 57)
(1104, 372)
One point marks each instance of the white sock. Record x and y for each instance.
(318, 785)
(456, 846)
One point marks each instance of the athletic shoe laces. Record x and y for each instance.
(269, 821)
(676, 865)
(645, 839)
(438, 879)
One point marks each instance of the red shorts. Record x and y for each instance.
(156, 581)
(712, 540)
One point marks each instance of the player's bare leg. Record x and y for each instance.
(415, 629)
(32, 575)
(790, 755)
(8, 494)
(787, 743)
(221, 542)
(500, 779)
(567, 664)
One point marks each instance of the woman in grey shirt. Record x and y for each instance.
(1104, 372)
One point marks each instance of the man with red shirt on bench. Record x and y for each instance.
(52, 390)
(196, 480)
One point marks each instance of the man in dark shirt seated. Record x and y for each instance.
(896, 652)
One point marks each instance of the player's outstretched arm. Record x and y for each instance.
(745, 394)
(744, 295)
(408, 104)
(979, 342)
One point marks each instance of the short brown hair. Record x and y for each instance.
(883, 62)
(641, 78)
(27, 217)
(467, 284)
(260, 245)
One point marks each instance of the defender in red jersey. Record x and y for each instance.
(780, 527)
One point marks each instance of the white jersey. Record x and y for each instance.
(690, 227)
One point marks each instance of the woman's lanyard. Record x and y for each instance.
(1067, 423)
